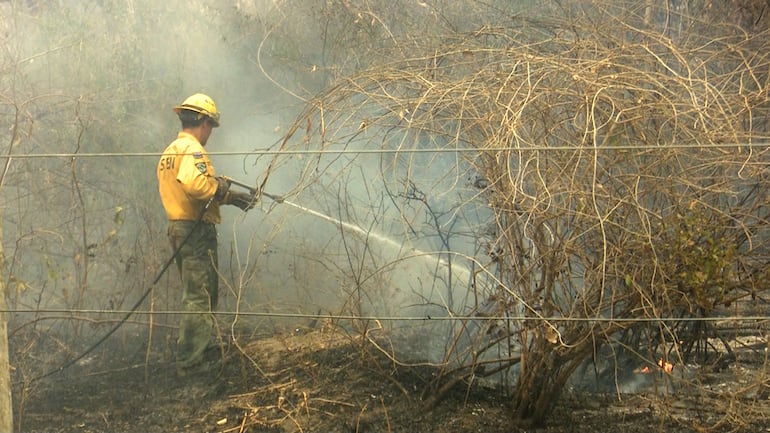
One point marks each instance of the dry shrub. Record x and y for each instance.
(620, 158)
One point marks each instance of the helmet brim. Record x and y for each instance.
(214, 118)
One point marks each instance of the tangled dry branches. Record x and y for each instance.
(621, 166)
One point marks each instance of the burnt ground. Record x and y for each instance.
(313, 382)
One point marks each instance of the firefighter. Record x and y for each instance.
(192, 194)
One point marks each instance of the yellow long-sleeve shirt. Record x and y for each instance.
(186, 180)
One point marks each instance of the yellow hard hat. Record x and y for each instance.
(201, 104)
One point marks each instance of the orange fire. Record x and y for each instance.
(663, 365)
(666, 366)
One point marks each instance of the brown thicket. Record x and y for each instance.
(622, 155)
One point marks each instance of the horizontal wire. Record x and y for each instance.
(395, 318)
(395, 151)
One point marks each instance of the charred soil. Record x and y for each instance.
(307, 382)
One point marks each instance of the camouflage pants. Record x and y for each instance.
(197, 261)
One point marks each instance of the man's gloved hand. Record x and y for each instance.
(223, 186)
(241, 199)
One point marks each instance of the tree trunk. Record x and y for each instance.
(6, 406)
(542, 378)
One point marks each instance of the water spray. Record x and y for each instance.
(346, 225)
(255, 192)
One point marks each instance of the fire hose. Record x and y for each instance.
(255, 193)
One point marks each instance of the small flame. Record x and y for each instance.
(666, 366)
(663, 365)
(645, 370)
